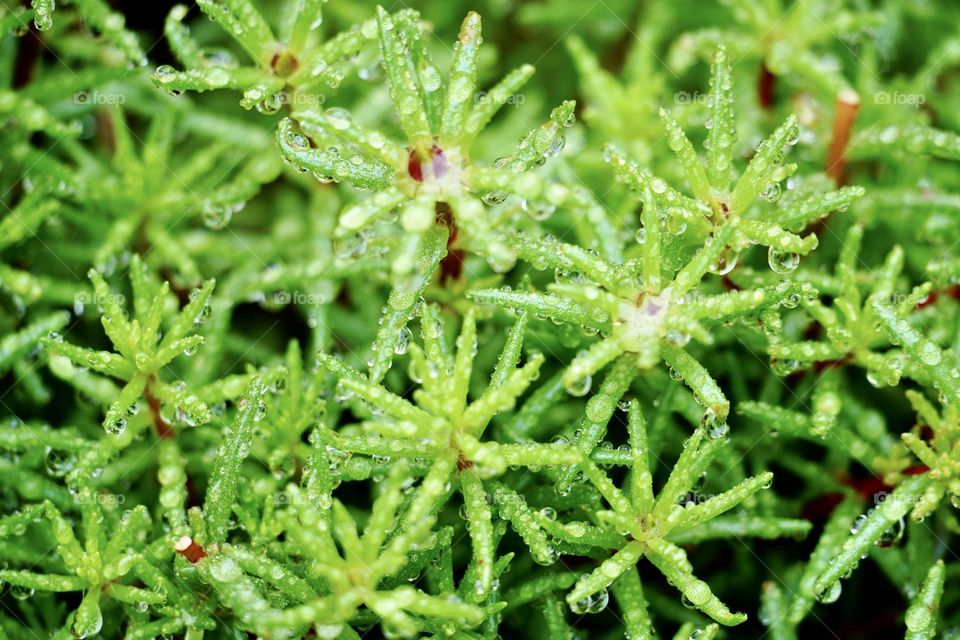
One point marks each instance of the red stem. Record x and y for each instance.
(766, 83)
(847, 106)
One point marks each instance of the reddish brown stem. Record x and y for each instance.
(847, 106)
(953, 291)
(766, 84)
(189, 549)
(452, 264)
(822, 365)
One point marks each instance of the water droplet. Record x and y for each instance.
(430, 79)
(501, 262)
(350, 246)
(547, 556)
(297, 140)
(216, 215)
(858, 524)
(676, 225)
(891, 535)
(403, 340)
(791, 301)
(494, 198)
(116, 426)
(43, 21)
(830, 594)
(20, 592)
(771, 193)
(784, 366)
(579, 388)
(339, 118)
(59, 462)
(712, 426)
(538, 210)
(724, 264)
(226, 570)
(677, 338)
(164, 74)
(793, 136)
(782, 262)
(594, 603)
(929, 353)
(555, 148)
(271, 104)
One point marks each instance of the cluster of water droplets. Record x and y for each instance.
(594, 603)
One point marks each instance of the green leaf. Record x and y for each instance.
(921, 618)
(222, 491)
(722, 132)
(672, 561)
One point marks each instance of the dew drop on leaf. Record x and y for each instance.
(494, 198)
(59, 462)
(339, 118)
(724, 264)
(712, 425)
(403, 340)
(892, 535)
(164, 74)
(782, 262)
(579, 388)
(784, 366)
(830, 594)
(771, 193)
(20, 592)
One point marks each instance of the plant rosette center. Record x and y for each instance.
(644, 322)
(436, 172)
(646, 527)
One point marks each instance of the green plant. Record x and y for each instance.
(382, 421)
